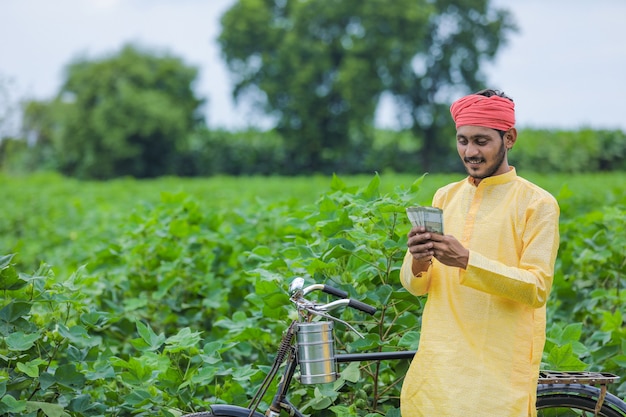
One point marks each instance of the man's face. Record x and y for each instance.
(482, 151)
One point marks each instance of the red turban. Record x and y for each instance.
(478, 110)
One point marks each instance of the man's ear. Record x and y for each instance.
(510, 136)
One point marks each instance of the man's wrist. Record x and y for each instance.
(465, 259)
(418, 267)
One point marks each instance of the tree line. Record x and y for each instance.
(318, 68)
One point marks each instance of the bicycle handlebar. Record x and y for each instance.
(334, 291)
(366, 308)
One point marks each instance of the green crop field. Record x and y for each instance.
(56, 220)
(152, 297)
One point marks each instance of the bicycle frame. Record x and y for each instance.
(280, 400)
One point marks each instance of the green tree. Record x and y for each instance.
(321, 66)
(126, 114)
(317, 65)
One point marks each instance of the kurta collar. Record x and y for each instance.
(497, 179)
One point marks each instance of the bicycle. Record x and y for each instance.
(309, 345)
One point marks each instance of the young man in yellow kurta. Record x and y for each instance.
(487, 279)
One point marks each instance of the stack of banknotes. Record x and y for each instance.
(429, 217)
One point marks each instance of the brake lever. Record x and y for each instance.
(328, 316)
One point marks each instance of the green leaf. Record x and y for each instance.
(601, 337)
(14, 407)
(562, 336)
(562, 358)
(68, 376)
(267, 286)
(46, 380)
(327, 205)
(19, 341)
(382, 294)
(324, 396)
(138, 398)
(79, 336)
(369, 342)
(337, 184)
(205, 375)
(612, 321)
(571, 333)
(14, 310)
(94, 318)
(275, 301)
(372, 189)
(342, 411)
(139, 371)
(343, 243)
(352, 372)
(332, 227)
(9, 278)
(415, 186)
(30, 368)
(410, 340)
(5, 261)
(243, 373)
(85, 405)
(50, 410)
(394, 412)
(580, 349)
(152, 340)
(620, 360)
(101, 370)
(183, 340)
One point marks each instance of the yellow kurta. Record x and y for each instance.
(483, 328)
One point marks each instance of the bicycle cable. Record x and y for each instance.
(281, 354)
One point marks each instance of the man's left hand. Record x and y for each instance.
(449, 251)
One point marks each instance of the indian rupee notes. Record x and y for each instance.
(429, 217)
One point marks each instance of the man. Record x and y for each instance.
(487, 279)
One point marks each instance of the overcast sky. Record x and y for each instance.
(565, 68)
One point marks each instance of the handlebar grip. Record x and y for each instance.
(366, 308)
(334, 291)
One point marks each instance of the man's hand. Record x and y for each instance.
(421, 248)
(446, 249)
(449, 251)
(420, 245)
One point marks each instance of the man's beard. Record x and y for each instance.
(499, 160)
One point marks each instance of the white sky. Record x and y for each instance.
(565, 68)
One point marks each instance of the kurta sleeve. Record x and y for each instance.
(416, 285)
(528, 279)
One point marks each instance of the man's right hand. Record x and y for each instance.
(420, 245)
